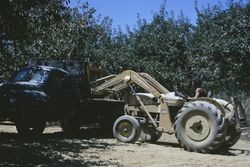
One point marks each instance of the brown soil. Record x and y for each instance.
(92, 147)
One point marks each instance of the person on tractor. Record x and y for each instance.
(200, 91)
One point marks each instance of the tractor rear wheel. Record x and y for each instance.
(200, 127)
(233, 129)
(126, 129)
(233, 135)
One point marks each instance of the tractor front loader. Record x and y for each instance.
(200, 124)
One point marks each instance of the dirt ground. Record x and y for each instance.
(92, 147)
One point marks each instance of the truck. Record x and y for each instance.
(55, 91)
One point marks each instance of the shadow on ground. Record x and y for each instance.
(167, 144)
(56, 149)
(60, 149)
(227, 152)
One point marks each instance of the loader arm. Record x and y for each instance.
(153, 82)
(124, 80)
(121, 81)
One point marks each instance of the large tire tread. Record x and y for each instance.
(221, 126)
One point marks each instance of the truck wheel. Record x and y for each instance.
(126, 129)
(30, 128)
(70, 125)
(200, 127)
(149, 133)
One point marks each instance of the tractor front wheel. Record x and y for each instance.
(126, 129)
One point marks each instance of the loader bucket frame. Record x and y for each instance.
(125, 80)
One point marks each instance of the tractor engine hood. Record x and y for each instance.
(170, 98)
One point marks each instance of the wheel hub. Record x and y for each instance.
(125, 129)
(197, 128)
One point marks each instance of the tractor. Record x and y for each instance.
(203, 125)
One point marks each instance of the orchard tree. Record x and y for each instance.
(219, 50)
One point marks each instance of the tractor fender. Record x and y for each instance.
(219, 103)
(228, 107)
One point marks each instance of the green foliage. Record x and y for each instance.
(172, 50)
(24, 28)
(220, 47)
(162, 46)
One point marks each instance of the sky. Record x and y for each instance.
(124, 12)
